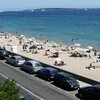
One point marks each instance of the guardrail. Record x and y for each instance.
(79, 77)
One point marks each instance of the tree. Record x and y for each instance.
(9, 91)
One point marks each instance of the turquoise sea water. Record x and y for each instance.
(61, 25)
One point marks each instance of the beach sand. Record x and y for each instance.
(75, 65)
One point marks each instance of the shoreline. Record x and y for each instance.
(68, 43)
(75, 45)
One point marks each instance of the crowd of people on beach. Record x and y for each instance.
(31, 45)
(47, 52)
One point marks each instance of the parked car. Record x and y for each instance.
(31, 66)
(66, 81)
(22, 97)
(47, 73)
(15, 60)
(3, 53)
(90, 92)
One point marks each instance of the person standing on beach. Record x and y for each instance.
(3, 46)
(95, 53)
(72, 39)
(20, 41)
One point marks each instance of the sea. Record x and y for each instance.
(66, 25)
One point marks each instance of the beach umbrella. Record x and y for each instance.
(33, 38)
(49, 47)
(77, 45)
(90, 47)
(21, 35)
(30, 39)
(52, 41)
(57, 49)
(58, 59)
(33, 47)
(54, 44)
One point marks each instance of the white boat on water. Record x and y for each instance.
(43, 10)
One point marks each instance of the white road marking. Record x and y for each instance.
(40, 98)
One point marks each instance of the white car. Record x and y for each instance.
(31, 66)
(15, 60)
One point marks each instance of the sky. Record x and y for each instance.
(32, 4)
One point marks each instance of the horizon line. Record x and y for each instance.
(46, 8)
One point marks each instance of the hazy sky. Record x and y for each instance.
(27, 4)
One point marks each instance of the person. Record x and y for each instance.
(5, 36)
(72, 39)
(56, 54)
(46, 53)
(32, 51)
(98, 56)
(60, 44)
(4, 47)
(48, 50)
(90, 56)
(24, 47)
(55, 63)
(61, 63)
(41, 46)
(90, 66)
(11, 48)
(20, 42)
(27, 49)
(95, 53)
(36, 51)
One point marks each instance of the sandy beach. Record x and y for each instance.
(77, 65)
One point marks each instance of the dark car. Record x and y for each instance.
(3, 53)
(66, 81)
(90, 92)
(47, 73)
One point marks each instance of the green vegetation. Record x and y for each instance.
(9, 91)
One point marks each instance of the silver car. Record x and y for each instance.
(31, 66)
(15, 60)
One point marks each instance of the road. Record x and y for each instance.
(34, 88)
(24, 93)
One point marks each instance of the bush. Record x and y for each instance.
(9, 91)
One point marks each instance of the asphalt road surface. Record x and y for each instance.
(32, 87)
(23, 92)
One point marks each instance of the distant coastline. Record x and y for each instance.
(50, 9)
